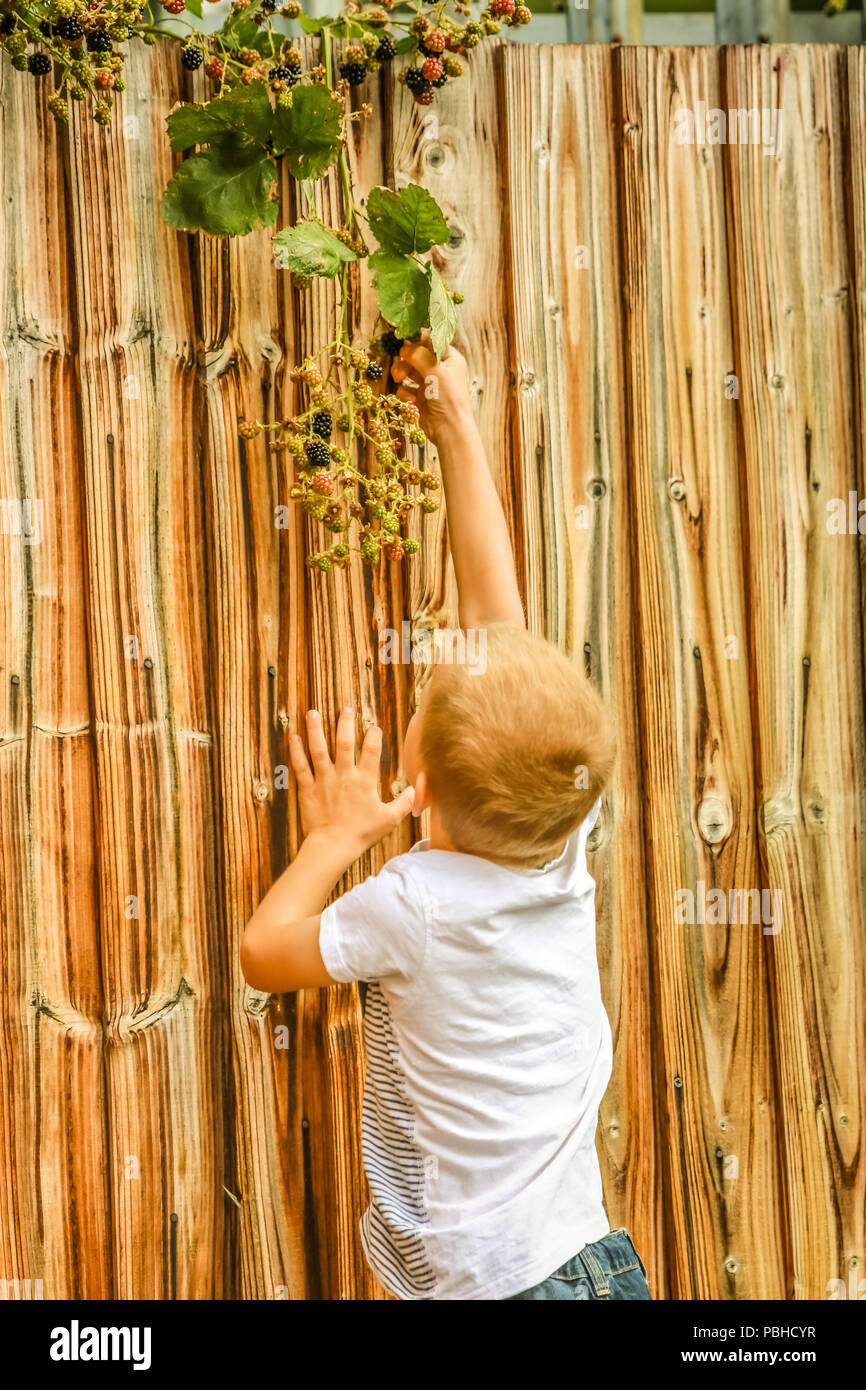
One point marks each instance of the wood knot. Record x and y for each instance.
(677, 489)
(714, 819)
(776, 814)
(596, 488)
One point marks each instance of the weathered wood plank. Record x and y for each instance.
(791, 282)
(148, 666)
(715, 1083)
(54, 1217)
(258, 676)
(563, 240)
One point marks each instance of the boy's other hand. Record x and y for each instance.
(440, 389)
(341, 799)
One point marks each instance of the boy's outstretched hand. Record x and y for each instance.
(340, 799)
(440, 389)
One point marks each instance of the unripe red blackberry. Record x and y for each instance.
(432, 69)
(214, 68)
(424, 98)
(435, 42)
(323, 483)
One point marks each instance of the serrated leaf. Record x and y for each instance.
(231, 29)
(245, 112)
(408, 221)
(225, 190)
(309, 131)
(403, 290)
(443, 315)
(311, 249)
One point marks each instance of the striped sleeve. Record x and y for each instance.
(377, 929)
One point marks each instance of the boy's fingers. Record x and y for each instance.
(298, 759)
(401, 806)
(345, 758)
(371, 751)
(419, 356)
(318, 747)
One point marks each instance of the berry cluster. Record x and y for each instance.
(76, 38)
(366, 487)
(436, 44)
(360, 59)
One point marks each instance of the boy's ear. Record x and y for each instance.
(422, 794)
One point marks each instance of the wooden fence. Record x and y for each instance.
(668, 348)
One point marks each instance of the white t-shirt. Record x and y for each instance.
(488, 1052)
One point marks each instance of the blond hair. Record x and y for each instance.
(517, 754)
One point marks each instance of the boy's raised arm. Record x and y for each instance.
(477, 531)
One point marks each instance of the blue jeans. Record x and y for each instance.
(609, 1268)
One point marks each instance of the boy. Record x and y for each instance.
(488, 1047)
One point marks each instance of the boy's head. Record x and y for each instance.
(514, 757)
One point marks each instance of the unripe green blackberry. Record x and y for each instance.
(411, 547)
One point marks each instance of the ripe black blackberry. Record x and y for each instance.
(354, 73)
(98, 41)
(322, 424)
(416, 81)
(318, 453)
(440, 81)
(268, 6)
(386, 50)
(68, 28)
(39, 64)
(285, 73)
(7, 23)
(46, 29)
(391, 343)
(192, 58)
(374, 371)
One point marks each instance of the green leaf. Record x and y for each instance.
(408, 221)
(230, 30)
(403, 289)
(443, 315)
(313, 26)
(225, 190)
(308, 131)
(311, 249)
(244, 112)
(406, 45)
(194, 7)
